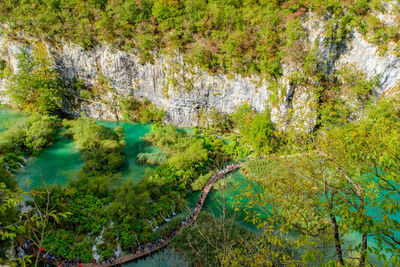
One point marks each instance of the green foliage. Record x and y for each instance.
(346, 85)
(190, 155)
(3, 65)
(140, 111)
(65, 244)
(154, 198)
(218, 121)
(200, 182)
(355, 83)
(9, 217)
(95, 196)
(38, 134)
(184, 152)
(346, 181)
(13, 162)
(36, 86)
(156, 158)
(211, 241)
(101, 147)
(215, 35)
(85, 94)
(258, 132)
(30, 135)
(241, 114)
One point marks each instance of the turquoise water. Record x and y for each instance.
(353, 239)
(217, 199)
(55, 164)
(134, 145)
(62, 160)
(8, 117)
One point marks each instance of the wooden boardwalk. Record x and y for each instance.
(147, 251)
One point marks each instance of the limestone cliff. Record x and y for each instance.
(184, 91)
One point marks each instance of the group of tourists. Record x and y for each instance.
(216, 175)
(71, 263)
(47, 256)
(109, 260)
(28, 247)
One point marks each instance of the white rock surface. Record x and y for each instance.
(183, 90)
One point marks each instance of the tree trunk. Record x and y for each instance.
(37, 257)
(338, 247)
(335, 226)
(363, 250)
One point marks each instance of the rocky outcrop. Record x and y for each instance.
(169, 83)
(367, 59)
(184, 91)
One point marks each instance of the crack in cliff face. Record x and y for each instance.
(184, 90)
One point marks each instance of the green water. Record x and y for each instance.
(55, 164)
(134, 145)
(217, 199)
(8, 117)
(62, 160)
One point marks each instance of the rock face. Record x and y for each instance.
(185, 91)
(169, 83)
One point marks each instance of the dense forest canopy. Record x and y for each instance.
(247, 37)
(304, 192)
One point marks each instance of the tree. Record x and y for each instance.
(101, 147)
(259, 133)
(36, 85)
(39, 134)
(42, 218)
(346, 181)
(10, 221)
(365, 155)
(285, 203)
(218, 121)
(215, 237)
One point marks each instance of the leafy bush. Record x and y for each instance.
(142, 111)
(29, 135)
(101, 147)
(156, 158)
(258, 131)
(200, 182)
